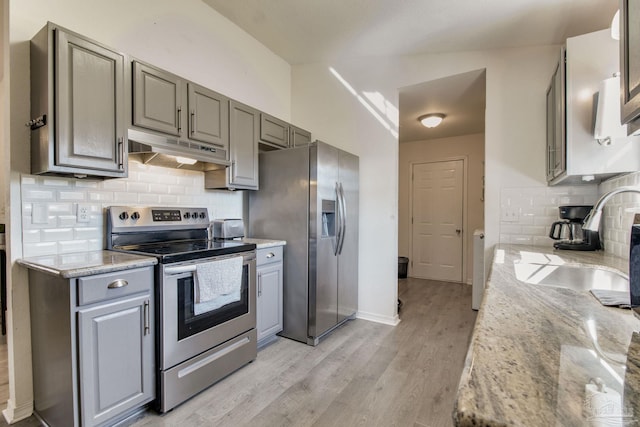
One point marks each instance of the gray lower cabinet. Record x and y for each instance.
(269, 268)
(244, 133)
(93, 346)
(77, 106)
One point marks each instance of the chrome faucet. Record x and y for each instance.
(592, 221)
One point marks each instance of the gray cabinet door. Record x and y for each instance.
(630, 63)
(274, 131)
(89, 105)
(298, 137)
(157, 103)
(116, 358)
(208, 116)
(244, 124)
(269, 311)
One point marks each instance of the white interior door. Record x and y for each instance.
(437, 198)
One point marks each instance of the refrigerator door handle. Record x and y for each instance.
(338, 221)
(343, 218)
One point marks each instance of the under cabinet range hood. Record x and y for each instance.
(156, 150)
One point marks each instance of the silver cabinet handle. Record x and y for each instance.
(179, 120)
(146, 318)
(117, 284)
(270, 255)
(193, 122)
(121, 153)
(260, 284)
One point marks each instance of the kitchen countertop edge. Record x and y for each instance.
(264, 243)
(515, 357)
(101, 262)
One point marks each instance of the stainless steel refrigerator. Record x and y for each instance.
(309, 197)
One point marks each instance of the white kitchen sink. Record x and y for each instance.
(579, 278)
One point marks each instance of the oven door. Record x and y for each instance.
(188, 328)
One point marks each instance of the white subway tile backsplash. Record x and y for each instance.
(56, 234)
(125, 198)
(146, 185)
(538, 209)
(56, 182)
(149, 199)
(69, 246)
(72, 195)
(41, 248)
(39, 195)
(100, 196)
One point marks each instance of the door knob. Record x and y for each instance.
(458, 231)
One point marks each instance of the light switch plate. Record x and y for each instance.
(84, 211)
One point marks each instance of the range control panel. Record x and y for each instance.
(121, 218)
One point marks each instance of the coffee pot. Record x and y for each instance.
(569, 233)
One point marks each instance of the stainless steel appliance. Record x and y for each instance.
(569, 232)
(199, 341)
(227, 228)
(309, 197)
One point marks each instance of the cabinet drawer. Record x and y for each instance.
(269, 255)
(126, 282)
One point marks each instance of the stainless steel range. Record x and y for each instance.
(205, 296)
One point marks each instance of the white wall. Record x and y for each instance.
(517, 80)
(185, 37)
(469, 147)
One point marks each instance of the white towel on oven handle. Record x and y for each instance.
(216, 278)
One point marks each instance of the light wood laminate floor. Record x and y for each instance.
(363, 374)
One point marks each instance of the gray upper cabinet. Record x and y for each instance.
(157, 103)
(555, 123)
(630, 64)
(244, 133)
(170, 105)
(298, 136)
(77, 106)
(208, 115)
(574, 154)
(274, 131)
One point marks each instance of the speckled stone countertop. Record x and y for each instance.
(264, 243)
(537, 350)
(80, 264)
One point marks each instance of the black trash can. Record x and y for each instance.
(403, 264)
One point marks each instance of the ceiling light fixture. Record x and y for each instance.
(431, 120)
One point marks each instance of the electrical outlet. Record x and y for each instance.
(83, 212)
(510, 215)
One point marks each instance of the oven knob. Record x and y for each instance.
(123, 216)
(202, 215)
(187, 215)
(135, 216)
(194, 215)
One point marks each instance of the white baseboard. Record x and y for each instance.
(372, 317)
(13, 414)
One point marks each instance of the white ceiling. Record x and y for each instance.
(303, 31)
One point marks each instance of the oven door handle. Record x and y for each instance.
(180, 269)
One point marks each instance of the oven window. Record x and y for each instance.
(197, 317)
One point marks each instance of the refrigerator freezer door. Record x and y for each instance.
(348, 257)
(280, 210)
(323, 263)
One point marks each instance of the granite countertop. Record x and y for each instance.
(264, 243)
(537, 351)
(80, 264)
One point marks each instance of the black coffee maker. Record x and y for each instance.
(569, 232)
